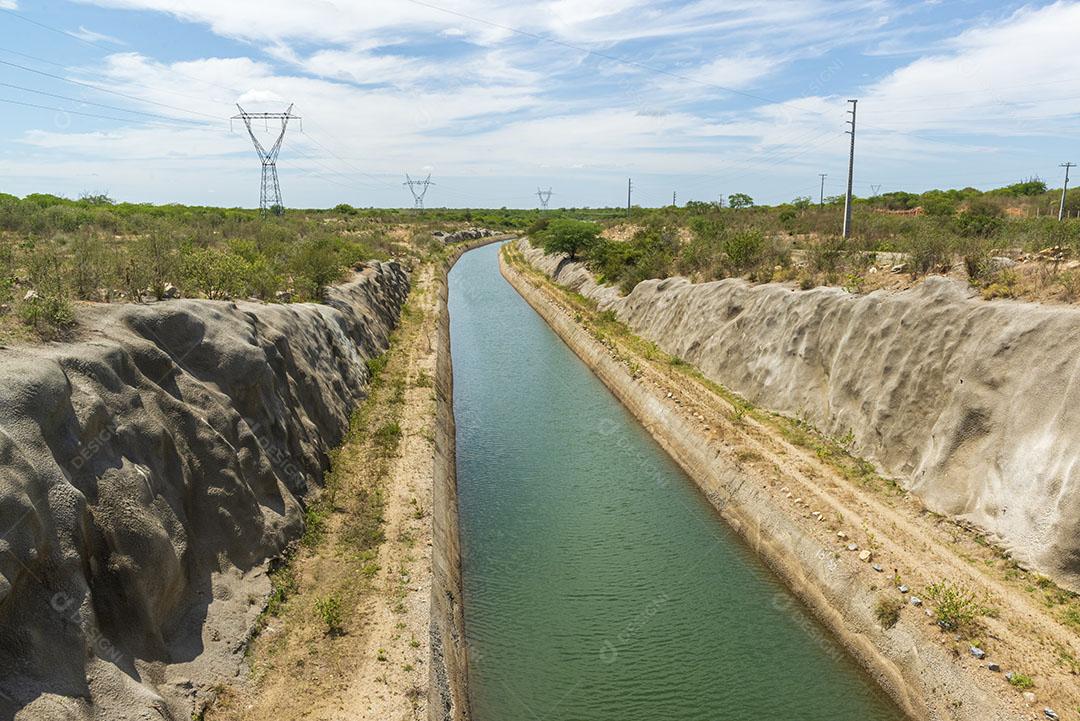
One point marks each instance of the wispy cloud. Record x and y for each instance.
(91, 36)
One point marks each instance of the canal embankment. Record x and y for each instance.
(843, 539)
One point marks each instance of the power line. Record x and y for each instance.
(105, 90)
(85, 115)
(101, 105)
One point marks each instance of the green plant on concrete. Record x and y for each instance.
(329, 610)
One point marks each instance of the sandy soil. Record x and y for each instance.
(376, 665)
(811, 477)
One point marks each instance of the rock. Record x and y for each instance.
(170, 292)
(995, 668)
(977, 652)
(902, 588)
(1029, 697)
(1049, 713)
(916, 601)
(853, 547)
(877, 567)
(899, 268)
(31, 295)
(865, 556)
(1001, 263)
(841, 535)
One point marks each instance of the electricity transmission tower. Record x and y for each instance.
(1064, 189)
(270, 195)
(418, 188)
(629, 194)
(850, 171)
(822, 176)
(545, 198)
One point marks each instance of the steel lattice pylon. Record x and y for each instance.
(270, 194)
(418, 188)
(545, 197)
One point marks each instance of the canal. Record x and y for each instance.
(599, 583)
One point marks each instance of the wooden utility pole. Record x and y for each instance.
(1064, 189)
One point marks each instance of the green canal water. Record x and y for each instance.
(599, 583)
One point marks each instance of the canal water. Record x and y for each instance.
(599, 583)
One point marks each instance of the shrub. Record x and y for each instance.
(956, 608)
(887, 611)
(329, 610)
(217, 274)
(314, 265)
(1021, 681)
(94, 267)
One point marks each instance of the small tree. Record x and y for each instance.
(740, 200)
(570, 237)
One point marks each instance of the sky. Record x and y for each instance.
(697, 98)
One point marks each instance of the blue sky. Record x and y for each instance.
(495, 98)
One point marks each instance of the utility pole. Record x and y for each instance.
(419, 189)
(545, 198)
(1064, 189)
(629, 193)
(674, 199)
(823, 176)
(270, 194)
(850, 172)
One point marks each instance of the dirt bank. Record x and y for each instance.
(387, 554)
(804, 503)
(148, 473)
(972, 405)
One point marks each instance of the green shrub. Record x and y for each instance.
(956, 608)
(1021, 681)
(217, 274)
(329, 610)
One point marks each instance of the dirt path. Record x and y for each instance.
(839, 501)
(346, 634)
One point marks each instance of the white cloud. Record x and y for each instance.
(9, 5)
(91, 36)
(1018, 76)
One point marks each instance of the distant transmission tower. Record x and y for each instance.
(418, 188)
(270, 196)
(545, 198)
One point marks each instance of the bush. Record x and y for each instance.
(929, 252)
(1021, 681)
(215, 273)
(93, 268)
(314, 266)
(887, 611)
(329, 610)
(956, 607)
(48, 312)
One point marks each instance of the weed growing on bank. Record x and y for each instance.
(887, 611)
(328, 609)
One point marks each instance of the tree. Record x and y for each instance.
(740, 200)
(569, 236)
